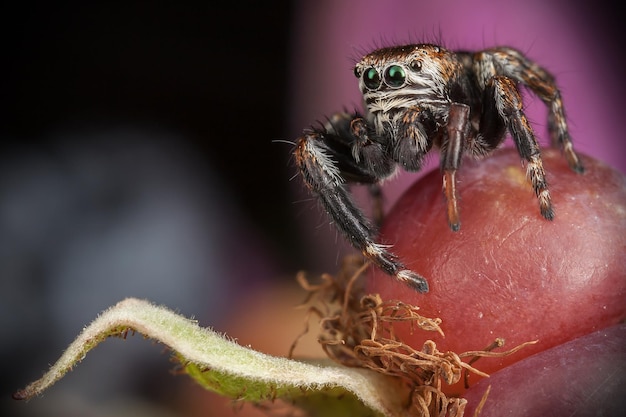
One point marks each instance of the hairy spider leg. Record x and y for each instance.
(325, 158)
(509, 106)
(341, 125)
(513, 64)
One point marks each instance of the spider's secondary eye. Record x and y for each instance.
(416, 65)
(371, 78)
(395, 76)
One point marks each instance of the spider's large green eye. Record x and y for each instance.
(371, 78)
(395, 76)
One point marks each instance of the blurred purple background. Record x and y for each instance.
(137, 157)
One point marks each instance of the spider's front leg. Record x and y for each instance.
(343, 151)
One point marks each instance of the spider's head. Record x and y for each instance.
(400, 77)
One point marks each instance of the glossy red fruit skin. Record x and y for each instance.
(508, 272)
(583, 377)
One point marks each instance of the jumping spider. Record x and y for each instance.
(417, 97)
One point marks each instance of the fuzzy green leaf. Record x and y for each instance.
(223, 366)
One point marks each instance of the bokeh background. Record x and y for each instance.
(145, 152)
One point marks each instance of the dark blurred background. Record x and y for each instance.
(212, 78)
(137, 158)
(143, 153)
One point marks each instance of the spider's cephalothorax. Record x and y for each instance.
(420, 96)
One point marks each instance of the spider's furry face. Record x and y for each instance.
(401, 77)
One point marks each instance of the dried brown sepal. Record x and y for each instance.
(357, 330)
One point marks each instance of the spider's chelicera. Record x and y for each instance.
(420, 96)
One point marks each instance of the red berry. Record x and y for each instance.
(583, 377)
(508, 272)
